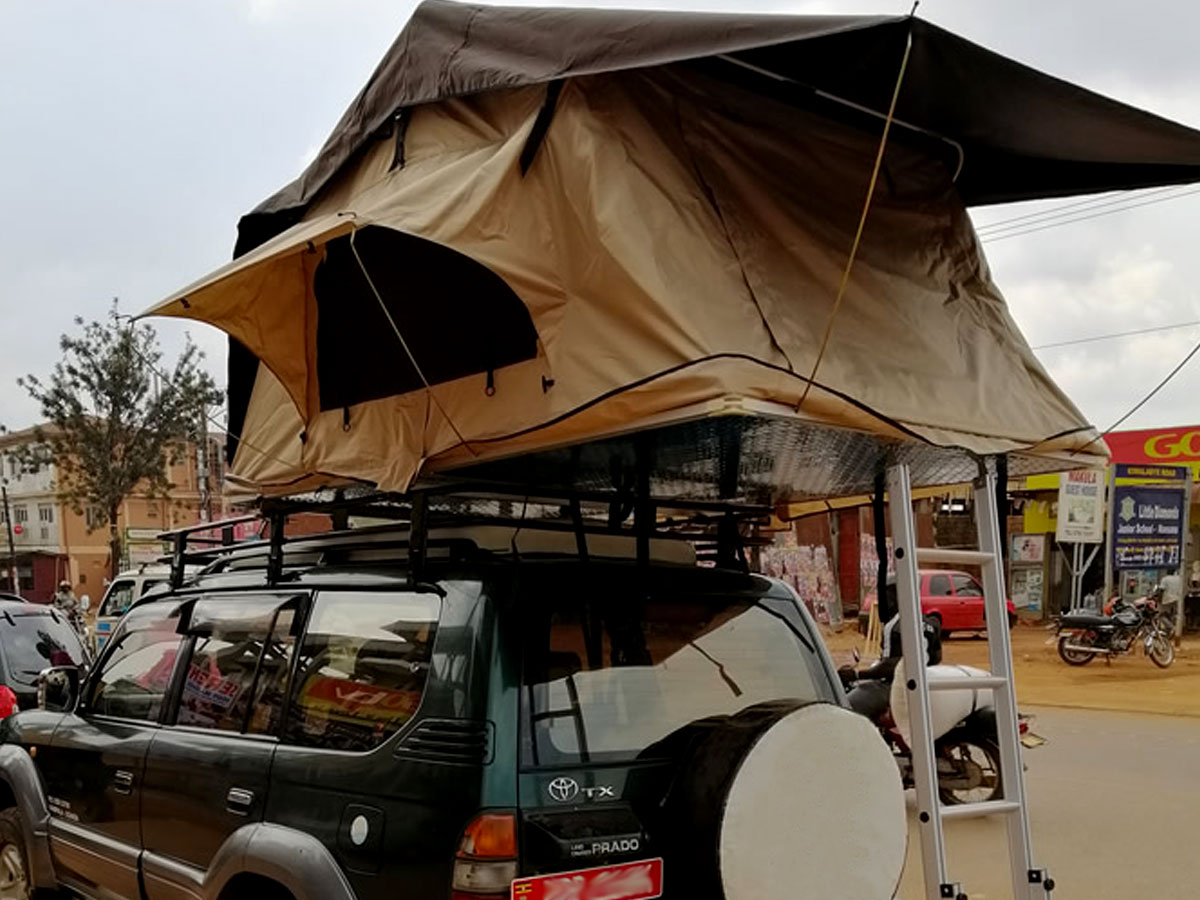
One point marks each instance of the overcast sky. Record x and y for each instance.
(134, 133)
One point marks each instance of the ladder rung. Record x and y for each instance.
(954, 557)
(976, 810)
(966, 682)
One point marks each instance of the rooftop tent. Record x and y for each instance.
(536, 232)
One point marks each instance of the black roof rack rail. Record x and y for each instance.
(179, 538)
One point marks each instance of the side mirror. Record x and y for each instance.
(58, 688)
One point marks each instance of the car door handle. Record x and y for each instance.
(123, 782)
(239, 801)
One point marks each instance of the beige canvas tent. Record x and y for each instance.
(536, 232)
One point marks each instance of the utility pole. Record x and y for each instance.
(202, 471)
(12, 550)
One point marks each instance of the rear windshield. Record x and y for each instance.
(36, 642)
(616, 680)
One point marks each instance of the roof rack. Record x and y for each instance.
(721, 530)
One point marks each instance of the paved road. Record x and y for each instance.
(1115, 812)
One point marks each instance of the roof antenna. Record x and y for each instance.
(912, 12)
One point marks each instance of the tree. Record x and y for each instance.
(114, 420)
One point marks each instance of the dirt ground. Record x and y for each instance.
(1130, 683)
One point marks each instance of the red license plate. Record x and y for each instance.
(641, 880)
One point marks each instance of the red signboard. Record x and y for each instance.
(641, 880)
(1164, 446)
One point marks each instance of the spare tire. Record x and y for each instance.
(784, 802)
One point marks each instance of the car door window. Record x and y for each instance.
(363, 667)
(939, 586)
(966, 586)
(119, 599)
(136, 674)
(237, 671)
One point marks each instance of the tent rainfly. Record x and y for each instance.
(536, 232)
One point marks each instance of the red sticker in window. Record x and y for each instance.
(363, 701)
(641, 880)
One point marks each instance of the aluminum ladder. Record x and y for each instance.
(1029, 883)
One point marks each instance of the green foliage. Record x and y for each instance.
(112, 424)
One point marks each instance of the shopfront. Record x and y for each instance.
(1154, 525)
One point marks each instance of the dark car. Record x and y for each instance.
(34, 637)
(344, 731)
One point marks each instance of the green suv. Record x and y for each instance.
(519, 722)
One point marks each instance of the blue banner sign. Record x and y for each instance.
(1151, 472)
(1148, 527)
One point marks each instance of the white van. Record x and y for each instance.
(125, 590)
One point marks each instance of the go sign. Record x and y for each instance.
(1173, 445)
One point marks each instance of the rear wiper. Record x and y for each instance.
(725, 676)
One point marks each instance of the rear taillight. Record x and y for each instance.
(1023, 727)
(486, 863)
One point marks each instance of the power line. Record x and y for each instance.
(1175, 371)
(1116, 334)
(1076, 208)
(1084, 218)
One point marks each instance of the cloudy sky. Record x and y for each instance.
(133, 133)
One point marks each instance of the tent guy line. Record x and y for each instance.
(862, 220)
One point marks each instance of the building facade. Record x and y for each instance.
(50, 542)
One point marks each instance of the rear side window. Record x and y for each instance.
(939, 585)
(37, 642)
(238, 664)
(626, 678)
(362, 668)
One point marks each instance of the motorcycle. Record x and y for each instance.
(966, 747)
(1120, 627)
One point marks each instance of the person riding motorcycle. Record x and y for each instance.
(66, 603)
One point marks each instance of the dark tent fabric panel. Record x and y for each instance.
(1016, 125)
(430, 291)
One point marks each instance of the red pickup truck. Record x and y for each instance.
(955, 598)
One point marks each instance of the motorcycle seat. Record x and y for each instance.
(1085, 620)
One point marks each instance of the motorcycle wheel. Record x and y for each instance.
(1161, 651)
(1073, 657)
(969, 754)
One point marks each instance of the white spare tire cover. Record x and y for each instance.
(814, 810)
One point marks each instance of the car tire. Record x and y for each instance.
(15, 870)
(775, 777)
